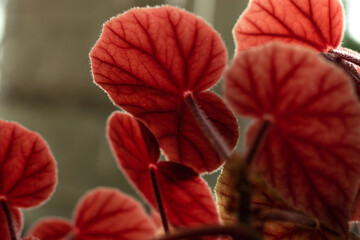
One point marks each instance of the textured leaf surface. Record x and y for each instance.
(27, 168)
(314, 23)
(106, 213)
(186, 197)
(17, 219)
(147, 60)
(314, 134)
(51, 228)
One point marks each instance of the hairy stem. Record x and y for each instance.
(215, 138)
(159, 201)
(236, 232)
(346, 56)
(11, 224)
(243, 185)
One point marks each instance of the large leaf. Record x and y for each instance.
(102, 213)
(52, 228)
(148, 60)
(311, 152)
(314, 23)
(186, 197)
(27, 168)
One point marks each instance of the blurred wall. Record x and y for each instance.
(46, 85)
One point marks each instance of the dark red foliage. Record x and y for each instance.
(148, 60)
(27, 168)
(314, 23)
(312, 150)
(186, 197)
(52, 228)
(102, 213)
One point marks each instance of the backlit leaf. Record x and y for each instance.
(311, 152)
(148, 60)
(186, 197)
(27, 168)
(314, 23)
(51, 228)
(102, 213)
(106, 213)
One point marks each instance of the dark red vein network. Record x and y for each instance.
(186, 197)
(102, 213)
(27, 168)
(311, 152)
(314, 23)
(147, 60)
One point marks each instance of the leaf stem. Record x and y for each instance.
(215, 138)
(346, 56)
(243, 185)
(234, 231)
(158, 200)
(11, 225)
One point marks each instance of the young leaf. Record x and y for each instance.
(311, 152)
(27, 168)
(102, 213)
(186, 197)
(4, 226)
(314, 23)
(51, 228)
(148, 60)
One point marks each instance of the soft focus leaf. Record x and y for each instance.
(314, 23)
(27, 168)
(148, 60)
(311, 152)
(30, 238)
(17, 221)
(186, 197)
(52, 229)
(105, 213)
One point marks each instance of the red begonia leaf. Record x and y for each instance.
(27, 168)
(311, 151)
(148, 60)
(186, 197)
(314, 23)
(52, 228)
(108, 213)
(30, 238)
(17, 221)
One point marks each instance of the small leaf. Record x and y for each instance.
(314, 23)
(314, 134)
(27, 168)
(148, 60)
(51, 228)
(105, 212)
(186, 197)
(17, 219)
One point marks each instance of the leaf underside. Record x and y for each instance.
(147, 60)
(186, 197)
(314, 132)
(27, 168)
(314, 23)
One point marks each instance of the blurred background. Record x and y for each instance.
(46, 84)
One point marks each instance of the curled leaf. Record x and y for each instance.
(27, 168)
(186, 197)
(314, 23)
(314, 134)
(148, 60)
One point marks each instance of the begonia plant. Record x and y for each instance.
(299, 176)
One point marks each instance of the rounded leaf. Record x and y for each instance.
(51, 228)
(147, 60)
(105, 213)
(28, 173)
(314, 23)
(314, 133)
